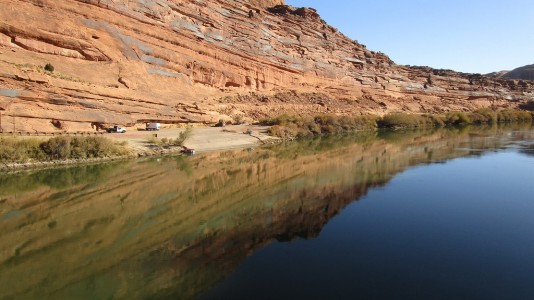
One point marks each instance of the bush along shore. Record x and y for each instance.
(293, 127)
(18, 152)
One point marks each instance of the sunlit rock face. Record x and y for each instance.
(129, 61)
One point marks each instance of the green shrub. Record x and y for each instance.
(49, 67)
(20, 150)
(436, 120)
(282, 132)
(57, 147)
(512, 116)
(297, 127)
(238, 119)
(484, 115)
(152, 140)
(286, 126)
(280, 120)
(457, 118)
(101, 147)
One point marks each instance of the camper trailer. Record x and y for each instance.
(153, 126)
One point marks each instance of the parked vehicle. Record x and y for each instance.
(153, 126)
(116, 129)
(188, 151)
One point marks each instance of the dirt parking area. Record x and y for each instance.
(201, 139)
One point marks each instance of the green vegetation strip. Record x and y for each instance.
(291, 127)
(28, 150)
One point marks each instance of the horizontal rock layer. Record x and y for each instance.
(129, 61)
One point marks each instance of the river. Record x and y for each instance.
(442, 214)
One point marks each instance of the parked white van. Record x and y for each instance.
(153, 126)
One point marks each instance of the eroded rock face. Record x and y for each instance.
(129, 61)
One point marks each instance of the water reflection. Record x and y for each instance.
(176, 226)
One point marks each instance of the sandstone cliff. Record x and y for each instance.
(175, 61)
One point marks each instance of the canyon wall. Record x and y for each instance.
(174, 61)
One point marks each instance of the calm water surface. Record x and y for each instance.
(438, 215)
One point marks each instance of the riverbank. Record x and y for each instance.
(141, 143)
(136, 144)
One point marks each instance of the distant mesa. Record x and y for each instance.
(498, 74)
(521, 73)
(525, 73)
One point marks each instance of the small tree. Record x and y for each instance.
(179, 141)
(238, 119)
(57, 148)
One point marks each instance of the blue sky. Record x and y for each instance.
(472, 36)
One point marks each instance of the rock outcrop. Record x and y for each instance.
(130, 61)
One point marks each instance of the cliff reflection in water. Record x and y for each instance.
(176, 226)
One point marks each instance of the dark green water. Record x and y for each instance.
(414, 215)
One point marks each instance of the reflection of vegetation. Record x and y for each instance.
(57, 178)
(401, 136)
(183, 165)
(320, 144)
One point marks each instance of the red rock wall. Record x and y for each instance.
(128, 61)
